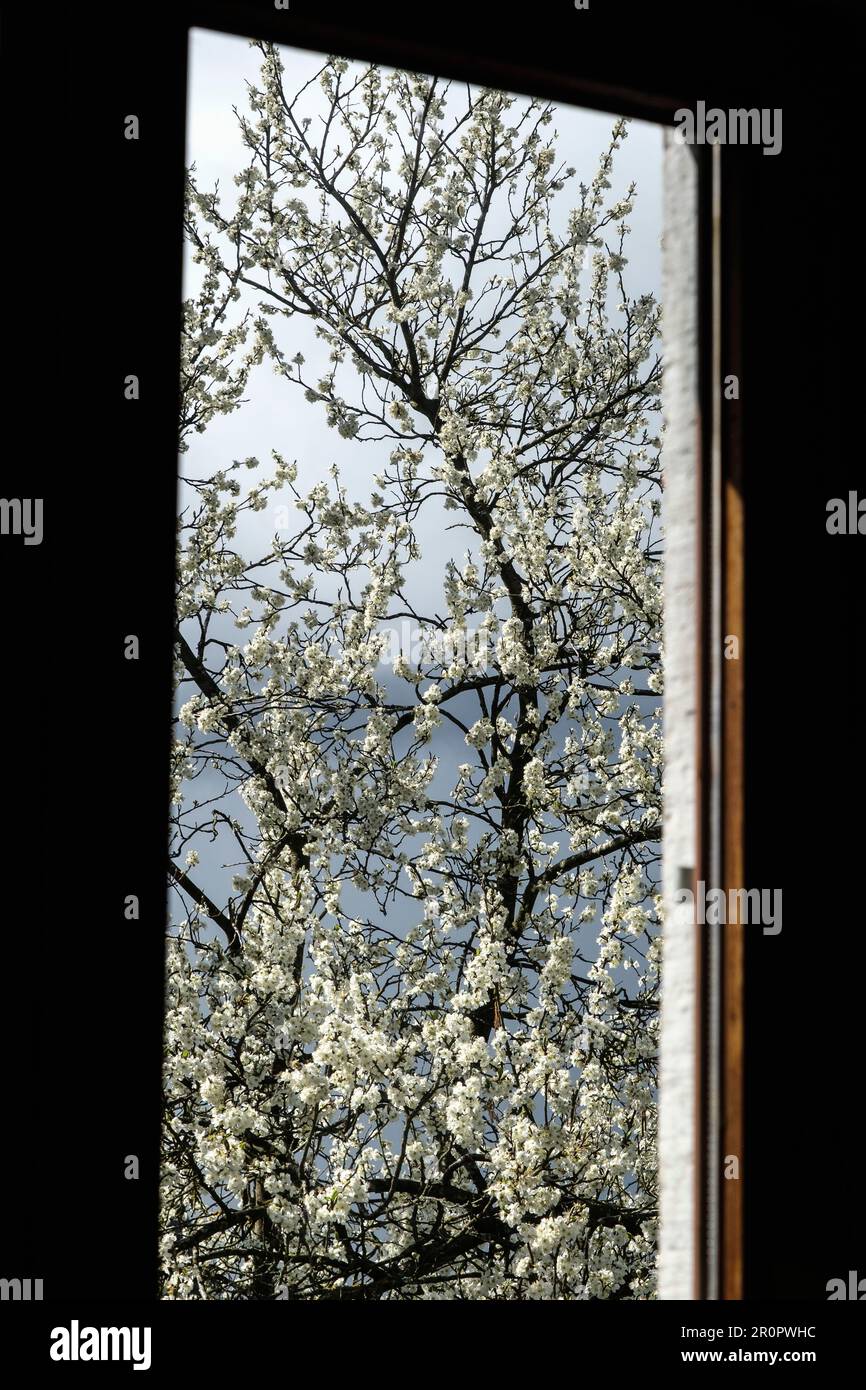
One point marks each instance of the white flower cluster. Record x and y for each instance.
(413, 962)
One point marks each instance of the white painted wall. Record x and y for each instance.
(680, 406)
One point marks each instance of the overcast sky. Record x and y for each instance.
(277, 416)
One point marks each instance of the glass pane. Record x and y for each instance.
(411, 1038)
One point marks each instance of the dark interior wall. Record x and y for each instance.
(803, 368)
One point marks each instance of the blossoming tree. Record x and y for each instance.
(410, 1045)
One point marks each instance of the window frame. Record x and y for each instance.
(718, 1006)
